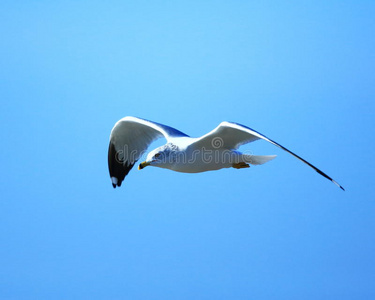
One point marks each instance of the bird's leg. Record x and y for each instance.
(240, 165)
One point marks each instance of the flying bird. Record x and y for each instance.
(131, 136)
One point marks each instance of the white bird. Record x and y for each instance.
(131, 136)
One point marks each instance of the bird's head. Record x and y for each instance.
(162, 157)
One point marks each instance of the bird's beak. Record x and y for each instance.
(143, 164)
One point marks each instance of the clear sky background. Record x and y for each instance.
(300, 72)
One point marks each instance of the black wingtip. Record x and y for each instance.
(339, 185)
(118, 169)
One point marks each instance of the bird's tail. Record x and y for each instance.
(257, 159)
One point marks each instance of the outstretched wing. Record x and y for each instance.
(232, 135)
(129, 139)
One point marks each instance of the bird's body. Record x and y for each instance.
(186, 159)
(130, 138)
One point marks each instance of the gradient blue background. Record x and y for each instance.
(301, 72)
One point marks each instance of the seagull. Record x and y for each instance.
(131, 136)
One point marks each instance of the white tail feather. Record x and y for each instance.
(258, 159)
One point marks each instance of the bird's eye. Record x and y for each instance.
(157, 155)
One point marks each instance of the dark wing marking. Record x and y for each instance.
(117, 168)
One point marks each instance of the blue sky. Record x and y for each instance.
(300, 72)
